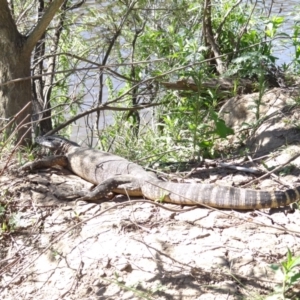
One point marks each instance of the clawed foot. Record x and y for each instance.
(89, 196)
(27, 167)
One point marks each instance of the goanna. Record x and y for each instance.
(112, 173)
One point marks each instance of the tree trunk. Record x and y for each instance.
(14, 64)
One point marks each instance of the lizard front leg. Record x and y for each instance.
(47, 162)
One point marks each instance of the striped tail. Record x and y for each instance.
(218, 196)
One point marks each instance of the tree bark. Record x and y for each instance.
(15, 58)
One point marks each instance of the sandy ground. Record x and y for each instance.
(124, 249)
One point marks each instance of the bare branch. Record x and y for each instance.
(42, 25)
(220, 27)
(143, 62)
(209, 35)
(97, 109)
(242, 31)
(83, 69)
(88, 61)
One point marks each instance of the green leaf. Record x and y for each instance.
(294, 278)
(294, 262)
(275, 267)
(289, 255)
(222, 130)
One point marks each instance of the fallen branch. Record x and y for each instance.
(221, 84)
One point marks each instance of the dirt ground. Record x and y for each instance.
(126, 249)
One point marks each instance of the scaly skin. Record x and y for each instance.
(112, 173)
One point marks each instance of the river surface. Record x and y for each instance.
(284, 51)
(290, 10)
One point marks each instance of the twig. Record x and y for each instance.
(13, 151)
(144, 62)
(82, 69)
(76, 278)
(242, 31)
(270, 172)
(193, 170)
(209, 35)
(99, 108)
(153, 203)
(129, 202)
(15, 116)
(219, 29)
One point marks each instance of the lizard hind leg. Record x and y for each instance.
(105, 187)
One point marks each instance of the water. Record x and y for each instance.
(290, 11)
(83, 127)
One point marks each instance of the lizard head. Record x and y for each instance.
(55, 142)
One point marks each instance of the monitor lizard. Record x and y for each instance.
(112, 173)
